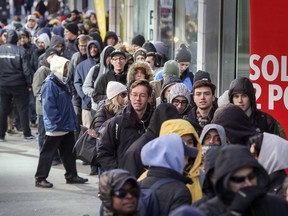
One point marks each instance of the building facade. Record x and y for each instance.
(216, 31)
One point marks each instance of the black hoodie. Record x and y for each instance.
(230, 159)
(15, 70)
(261, 120)
(236, 123)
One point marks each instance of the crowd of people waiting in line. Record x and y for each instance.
(224, 156)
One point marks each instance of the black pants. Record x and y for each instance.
(20, 96)
(65, 145)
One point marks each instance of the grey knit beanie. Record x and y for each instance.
(183, 54)
(179, 89)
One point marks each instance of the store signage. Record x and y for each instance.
(268, 57)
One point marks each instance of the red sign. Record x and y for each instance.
(268, 57)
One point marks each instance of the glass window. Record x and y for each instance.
(186, 28)
(243, 39)
(179, 26)
(140, 21)
(165, 22)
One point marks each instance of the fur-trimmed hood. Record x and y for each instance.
(149, 74)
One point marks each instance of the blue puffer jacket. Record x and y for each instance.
(58, 112)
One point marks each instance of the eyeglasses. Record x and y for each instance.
(135, 95)
(240, 179)
(123, 193)
(176, 102)
(82, 45)
(118, 59)
(123, 94)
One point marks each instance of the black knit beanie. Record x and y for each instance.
(149, 47)
(183, 54)
(138, 40)
(72, 27)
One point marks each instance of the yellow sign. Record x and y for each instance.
(101, 18)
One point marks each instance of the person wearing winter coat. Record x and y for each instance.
(166, 157)
(116, 73)
(236, 123)
(105, 60)
(38, 79)
(162, 113)
(139, 70)
(183, 57)
(166, 88)
(270, 151)
(70, 36)
(208, 160)
(212, 134)
(94, 74)
(56, 42)
(111, 39)
(82, 69)
(81, 44)
(119, 192)
(42, 43)
(241, 186)
(204, 97)
(179, 96)
(241, 93)
(192, 170)
(60, 123)
(124, 129)
(15, 81)
(116, 101)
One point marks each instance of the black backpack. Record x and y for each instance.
(148, 201)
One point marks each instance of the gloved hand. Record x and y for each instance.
(245, 197)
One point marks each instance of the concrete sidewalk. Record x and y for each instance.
(20, 197)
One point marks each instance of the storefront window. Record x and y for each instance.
(186, 27)
(140, 21)
(165, 22)
(179, 26)
(243, 39)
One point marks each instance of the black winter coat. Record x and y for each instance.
(15, 68)
(171, 195)
(119, 134)
(132, 159)
(101, 84)
(264, 122)
(100, 117)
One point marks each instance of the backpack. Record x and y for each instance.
(148, 201)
